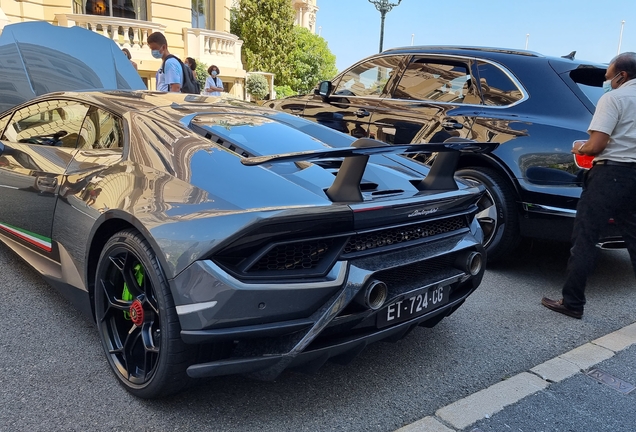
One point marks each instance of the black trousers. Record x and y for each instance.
(609, 191)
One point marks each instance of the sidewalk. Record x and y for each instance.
(591, 388)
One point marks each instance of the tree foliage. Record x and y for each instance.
(311, 61)
(284, 91)
(202, 73)
(256, 85)
(266, 28)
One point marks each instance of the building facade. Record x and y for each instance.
(194, 28)
(306, 11)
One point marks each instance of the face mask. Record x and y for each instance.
(156, 54)
(607, 85)
(214, 73)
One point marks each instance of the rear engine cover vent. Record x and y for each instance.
(377, 239)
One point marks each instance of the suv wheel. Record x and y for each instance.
(497, 214)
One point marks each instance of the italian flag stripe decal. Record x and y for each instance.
(35, 239)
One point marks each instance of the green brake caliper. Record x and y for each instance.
(126, 295)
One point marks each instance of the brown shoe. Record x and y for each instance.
(558, 306)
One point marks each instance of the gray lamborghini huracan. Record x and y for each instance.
(207, 236)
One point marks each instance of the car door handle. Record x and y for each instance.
(362, 113)
(452, 125)
(46, 184)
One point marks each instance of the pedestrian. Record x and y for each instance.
(125, 50)
(192, 64)
(609, 186)
(213, 84)
(170, 76)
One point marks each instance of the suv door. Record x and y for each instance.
(434, 99)
(355, 97)
(32, 164)
(500, 92)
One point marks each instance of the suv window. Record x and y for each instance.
(496, 86)
(589, 80)
(424, 79)
(368, 78)
(37, 122)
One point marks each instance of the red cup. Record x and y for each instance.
(582, 161)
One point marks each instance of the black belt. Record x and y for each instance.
(616, 163)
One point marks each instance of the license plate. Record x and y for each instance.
(410, 307)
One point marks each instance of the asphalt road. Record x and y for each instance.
(53, 374)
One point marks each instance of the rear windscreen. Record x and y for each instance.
(590, 81)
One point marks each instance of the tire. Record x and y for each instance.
(497, 215)
(137, 321)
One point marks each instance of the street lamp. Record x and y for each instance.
(620, 38)
(384, 7)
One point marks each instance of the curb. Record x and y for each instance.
(484, 403)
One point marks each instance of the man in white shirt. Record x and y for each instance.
(170, 76)
(608, 188)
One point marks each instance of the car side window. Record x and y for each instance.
(369, 78)
(55, 122)
(497, 87)
(426, 79)
(101, 130)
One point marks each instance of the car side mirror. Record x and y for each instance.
(324, 89)
(59, 134)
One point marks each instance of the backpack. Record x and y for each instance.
(190, 85)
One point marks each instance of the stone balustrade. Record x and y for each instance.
(214, 47)
(125, 32)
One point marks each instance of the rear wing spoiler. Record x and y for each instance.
(346, 186)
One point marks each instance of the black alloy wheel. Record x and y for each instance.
(137, 320)
(497, 215)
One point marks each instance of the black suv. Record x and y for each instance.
(533, 105)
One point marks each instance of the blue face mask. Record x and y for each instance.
(214, 73)
(156, 54)
(607, 85)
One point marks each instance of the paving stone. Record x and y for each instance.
(467, 411)
(614, 341)
(556, 369)
(587, 355)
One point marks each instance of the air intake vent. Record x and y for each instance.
(304, 255)
(378, 239)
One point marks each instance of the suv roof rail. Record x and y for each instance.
(467, 48)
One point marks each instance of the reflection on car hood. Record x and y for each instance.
(38, 58)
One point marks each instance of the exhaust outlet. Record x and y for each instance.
(470, 262)
(613, 244)
(375, 294)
